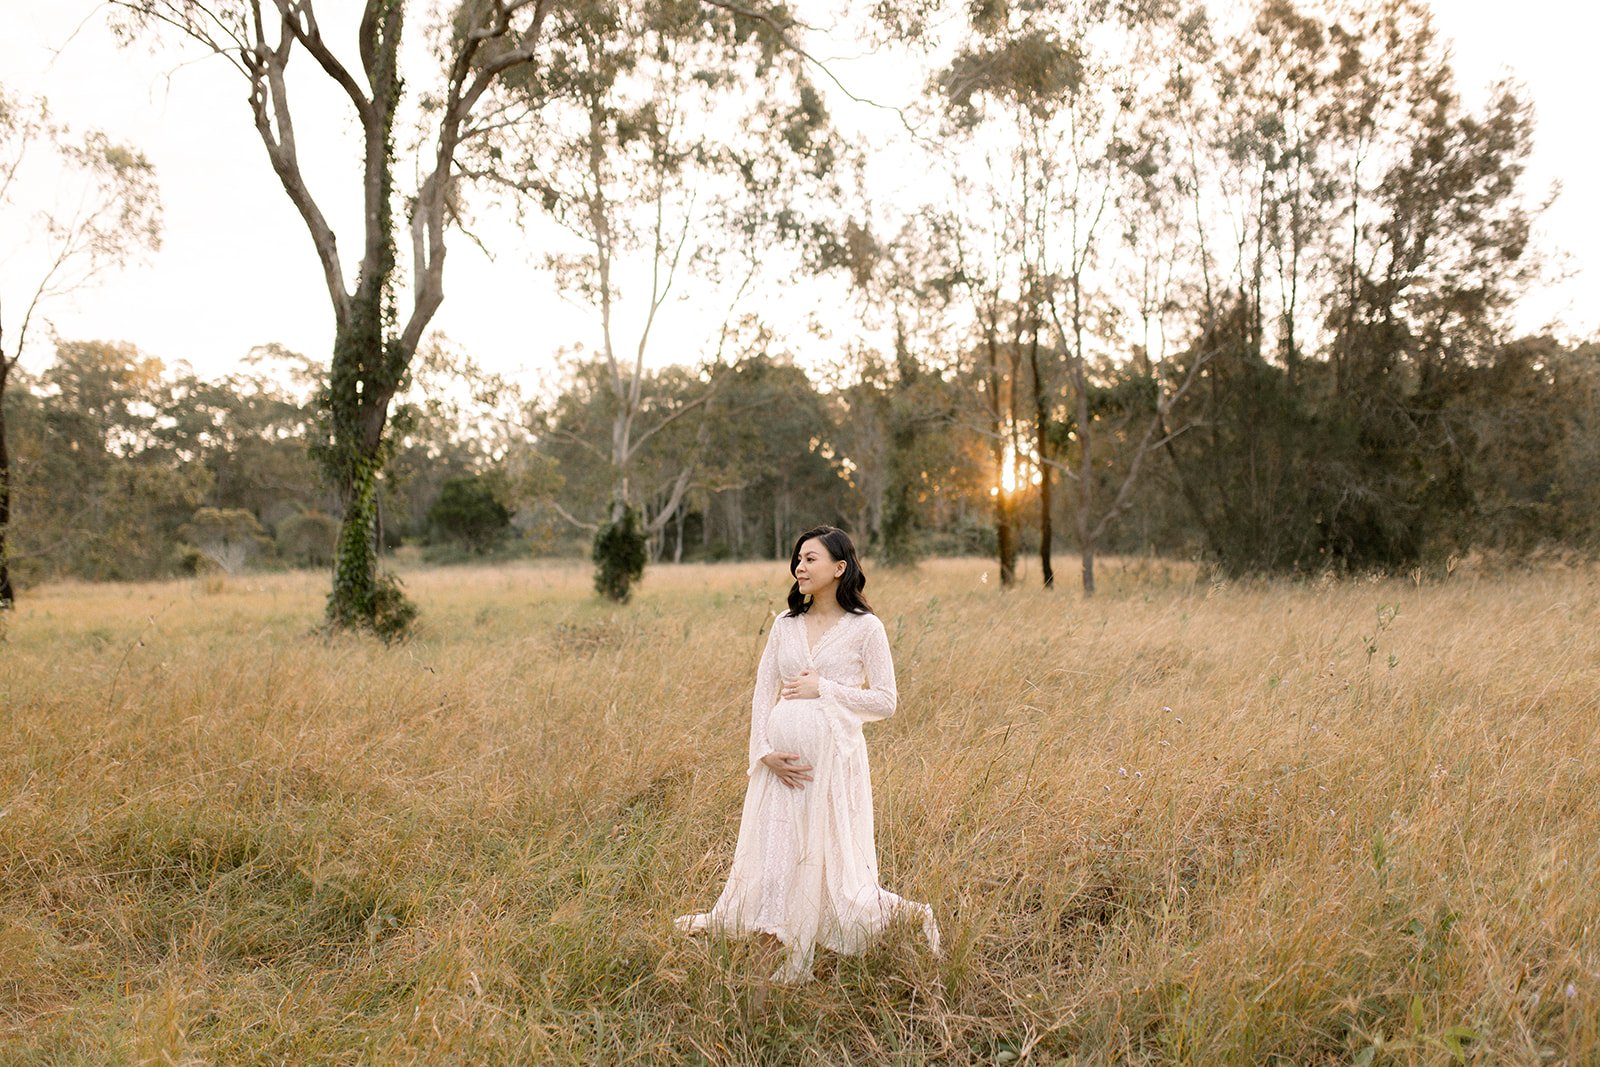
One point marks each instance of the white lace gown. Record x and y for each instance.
(805, 868)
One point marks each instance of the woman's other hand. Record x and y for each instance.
(791, 770)
(803, 687)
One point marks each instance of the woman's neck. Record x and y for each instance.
(828, 609)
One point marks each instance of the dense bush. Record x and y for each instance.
(467, 512)
(619, 556)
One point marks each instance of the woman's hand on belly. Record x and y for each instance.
(791, 770)
(804, 687)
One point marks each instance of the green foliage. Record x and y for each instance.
(452, 419)
(95, 492)
(363, 597)
(466, 511)
(307, 539)
(1032, 69)
(619, 556)
(109, 212)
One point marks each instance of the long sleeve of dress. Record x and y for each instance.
(766, 694)
(877, 701)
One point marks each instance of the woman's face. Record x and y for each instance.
(817, 572)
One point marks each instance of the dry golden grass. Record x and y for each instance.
(1181, 823)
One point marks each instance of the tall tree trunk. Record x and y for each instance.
(359, 414)
(1041, 431)
(8, 596)
(777, 526)
(363, 380)
(1080, 376)
(1085, 488)
(905, 427)
(354, 600)
(1004, 527)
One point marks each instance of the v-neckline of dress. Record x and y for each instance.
(805, 633)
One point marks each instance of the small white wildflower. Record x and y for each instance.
(1138, 774)
(1164, 743)
(1165, 708)
(984, 577)
(1571, 991)
(1122, 772)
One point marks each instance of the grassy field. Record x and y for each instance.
(1335, 822)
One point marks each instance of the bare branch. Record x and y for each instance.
(574, 439)
(565, 514)
(670, 418)
(428, 212)
(782, 31)
(300, 19)
(199, 23)
(267, 85)
(679, 486)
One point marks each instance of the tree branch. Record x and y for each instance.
(782, 31)
(310, 35)
(267, 81)
(565, 514)
(428, 211)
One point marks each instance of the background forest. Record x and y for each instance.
(1226, 287)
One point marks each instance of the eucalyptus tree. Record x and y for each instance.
(675, 140)
(454, 419)
(111, 213)
(376, 332)
(903, 401)
(1361, 234)
(574, 431)
(983, 268)
(249, 428)
(1442, 253)
(1049, 90)
(773, 456)
(1024, 88)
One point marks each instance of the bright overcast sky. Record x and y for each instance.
(236, 267)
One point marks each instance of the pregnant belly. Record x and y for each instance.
(798, 726)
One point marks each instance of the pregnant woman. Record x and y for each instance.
(805, 869)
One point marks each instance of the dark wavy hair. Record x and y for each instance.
(851, 582)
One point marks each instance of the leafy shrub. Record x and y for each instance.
(467, 512)
(619, 556)
(307, 539)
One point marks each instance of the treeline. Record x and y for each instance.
(126, 469)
